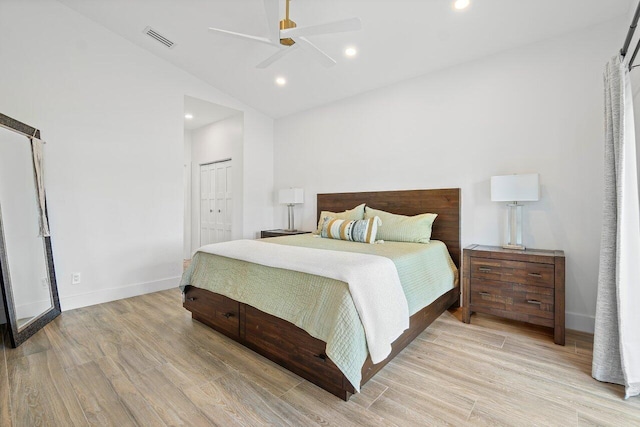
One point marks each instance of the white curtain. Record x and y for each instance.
(616, 350)
(38, 166)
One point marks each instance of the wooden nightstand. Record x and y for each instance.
(520, 285)
(280, 232)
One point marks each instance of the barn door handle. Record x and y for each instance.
(321, 356)
(228, 315)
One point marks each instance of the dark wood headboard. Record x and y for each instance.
(444, 202)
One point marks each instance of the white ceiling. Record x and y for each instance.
(400, 39)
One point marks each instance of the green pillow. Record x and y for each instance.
(402, 228)
(352, 214)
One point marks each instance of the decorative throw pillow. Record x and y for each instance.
(355, 213)
(363, 230)
(402, 228)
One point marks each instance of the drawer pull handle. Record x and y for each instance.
(191, 299)
(228, 315)
(534, 301)
(321, 356)
(535, 275)
(484, 269)
(485, 294)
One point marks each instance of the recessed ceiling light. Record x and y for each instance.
(350, 51)
(461, 4)
(188, 116)
(281, 81)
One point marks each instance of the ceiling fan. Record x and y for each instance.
(288, 36)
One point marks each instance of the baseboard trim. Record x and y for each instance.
(105, 295)
(580, 322)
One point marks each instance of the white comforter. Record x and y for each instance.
(373, 283)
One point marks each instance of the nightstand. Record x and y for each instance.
(280, 232)
(521, 285)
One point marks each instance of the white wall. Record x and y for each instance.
(113, 116)
(258, 175)
(218, 141)
(538, 108)
(186, 249)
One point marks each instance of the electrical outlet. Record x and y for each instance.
(75, 278)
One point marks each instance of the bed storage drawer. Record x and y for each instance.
(292, 348)
(217, 311)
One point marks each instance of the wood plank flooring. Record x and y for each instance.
(144, 361)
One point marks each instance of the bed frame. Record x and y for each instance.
(296, 350)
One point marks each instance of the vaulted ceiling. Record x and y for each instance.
(399, 39)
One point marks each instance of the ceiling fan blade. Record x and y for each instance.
(320, 56)
(279, 54)
(352, 24)
(243, 36)
(272, 12)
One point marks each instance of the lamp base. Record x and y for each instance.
(290, 226)
(514, 227)
(514, 247)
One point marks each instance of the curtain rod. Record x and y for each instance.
(19, 127)
(627, 41)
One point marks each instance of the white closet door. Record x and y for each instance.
(216, 201)
(224, 201)
(207, 204)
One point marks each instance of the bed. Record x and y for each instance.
(291, 346)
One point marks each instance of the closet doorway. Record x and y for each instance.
(213, 136)
(216, 202)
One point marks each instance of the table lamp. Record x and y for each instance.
(291, 197)
(513, 189)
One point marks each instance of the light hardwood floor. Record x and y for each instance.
(143, 361)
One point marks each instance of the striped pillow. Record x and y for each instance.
(363, 230)
(355, 213)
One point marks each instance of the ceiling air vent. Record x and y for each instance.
(159, 37)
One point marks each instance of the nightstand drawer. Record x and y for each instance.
(491, 294)
(534, 304)
(529, 273)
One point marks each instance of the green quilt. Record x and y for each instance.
(323, 306)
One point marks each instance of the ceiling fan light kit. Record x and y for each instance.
(290, 35)
(286, 24)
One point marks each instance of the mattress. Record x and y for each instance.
(321, 306)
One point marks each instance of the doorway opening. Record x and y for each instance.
(213, 141)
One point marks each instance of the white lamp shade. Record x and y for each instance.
(291, 196)
(515, 188)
